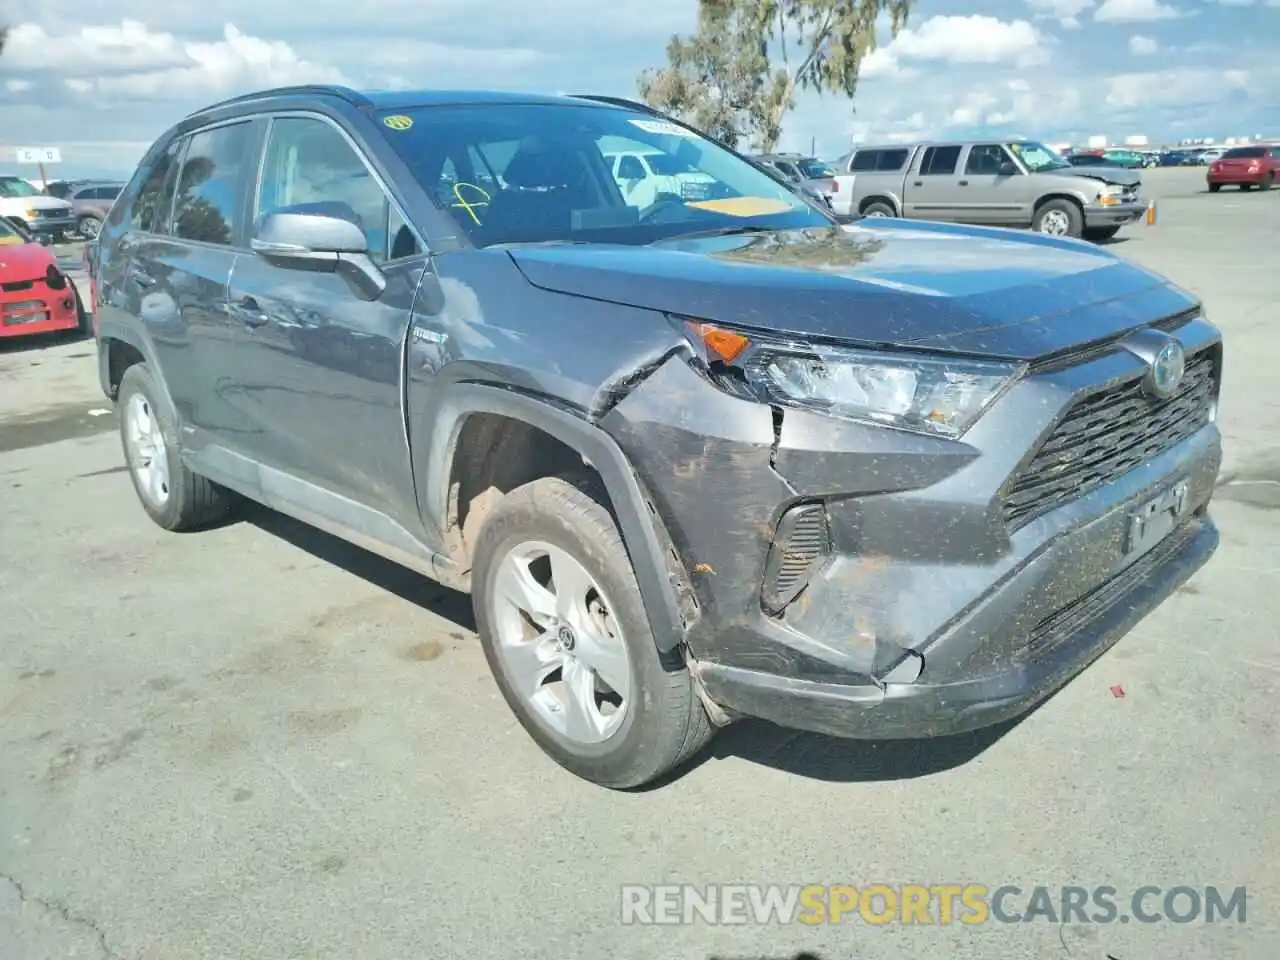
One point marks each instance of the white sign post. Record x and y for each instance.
(40, 156)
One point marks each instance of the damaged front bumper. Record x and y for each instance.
(930, 610)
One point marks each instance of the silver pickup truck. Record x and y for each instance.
(1012, 183)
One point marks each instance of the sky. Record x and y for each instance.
(100, 79)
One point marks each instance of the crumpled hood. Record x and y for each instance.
(1121, 176)
(41, 203)
(878, 282)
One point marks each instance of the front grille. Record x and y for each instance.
(1106, 435)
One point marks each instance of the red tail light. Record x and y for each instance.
(833, 187)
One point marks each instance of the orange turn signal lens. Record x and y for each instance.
(720, 344)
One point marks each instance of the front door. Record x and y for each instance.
(321, 369)
(993, 188)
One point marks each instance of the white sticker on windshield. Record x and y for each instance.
(663, 127)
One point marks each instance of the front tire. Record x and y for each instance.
(564, 630)
(174, 497)
(89, 227)
(1059, 218)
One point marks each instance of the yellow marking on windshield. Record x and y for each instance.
(743, 206)
(398, 122)
(469, 206)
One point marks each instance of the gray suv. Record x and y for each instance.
(1013, 183)
(696, 460)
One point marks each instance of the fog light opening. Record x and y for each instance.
(801, 545)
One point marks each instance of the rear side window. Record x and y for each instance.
(939, 161)
(150, 213)
(865, 161)
(210, 187)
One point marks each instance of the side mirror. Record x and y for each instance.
(1007, 169)
(316, 242)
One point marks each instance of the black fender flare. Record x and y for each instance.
(642, 533)
(125, 333)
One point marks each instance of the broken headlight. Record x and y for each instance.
(941, 396)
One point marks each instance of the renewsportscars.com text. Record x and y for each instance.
(939, 904)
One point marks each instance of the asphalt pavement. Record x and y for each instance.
(258, 743)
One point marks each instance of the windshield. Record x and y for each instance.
(538, 173)
(816, 169)
(17, 188)
(8, 235)
(1245, 153)
(1036, 157)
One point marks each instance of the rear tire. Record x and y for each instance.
(1215, 187)
(662, 722)
(878, 209)
(174, 497)
(1059, 218)
(1267, 182)
(88, 227)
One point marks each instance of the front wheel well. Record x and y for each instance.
(121, 355)
(495, 454)
(1058, 196)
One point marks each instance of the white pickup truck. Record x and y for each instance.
(30, 210)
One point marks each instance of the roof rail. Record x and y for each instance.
(618, 102)
(312, 89)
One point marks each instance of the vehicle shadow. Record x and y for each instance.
(806, 955)
(810, 755)
(31, 343)
(392, 577)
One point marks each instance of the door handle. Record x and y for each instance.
(918, 183)
(247, 309)
(964, 183)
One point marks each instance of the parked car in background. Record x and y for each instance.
(46, 218)
(62, 189)
(816, 177)
(1246, 168)
(1131, 159)
(1210, 154)
(91, 202)
(1012, 183)
(1092, 160)
(694, 462)
(643, 175)
(35, 295)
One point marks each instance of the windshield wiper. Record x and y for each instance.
(739, 230)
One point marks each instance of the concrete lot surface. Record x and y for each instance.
(258, 743)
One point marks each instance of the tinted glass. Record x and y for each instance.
(310, 161)
(109, 193)
(538, 172)
(787, 170)
(939, 161)
(985, 159)
(630, 168)
(155, 197)
(892, 160)
(815, 169)
(210, 186)
(17, 188)
(1245, 153)
(865, 160)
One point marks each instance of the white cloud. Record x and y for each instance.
(960, 40)
(1134, 11)
(1066, 12)
(1141, 46)
(159, 66)
(17, 86)
(1168, 88)
(128, 46)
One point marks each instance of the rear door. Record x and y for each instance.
(932, 190)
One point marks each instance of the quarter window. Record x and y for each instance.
(155, 197)
(210, 186)
(309, 162)
(865, 161)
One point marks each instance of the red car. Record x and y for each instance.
(35, 296)
(1245, 167)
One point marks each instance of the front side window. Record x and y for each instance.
(545, 173)
(309, 161)
(986, 159)
(1036, 157)
(210, 186)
